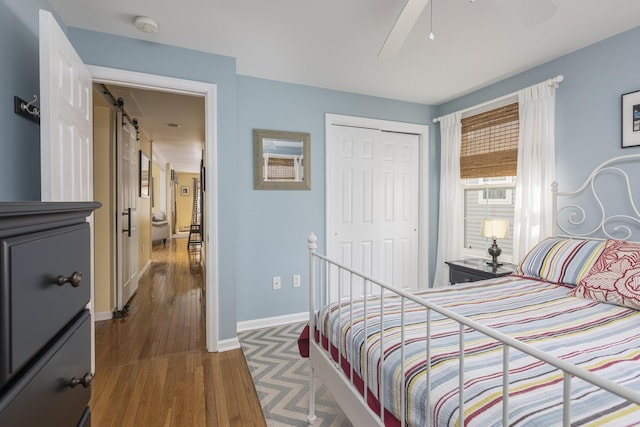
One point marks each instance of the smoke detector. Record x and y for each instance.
(146, 24)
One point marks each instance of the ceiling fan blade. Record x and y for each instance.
(529, 12)
(402, 27)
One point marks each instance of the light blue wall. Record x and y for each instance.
(129, 54)
(587, 102)
(273, 225)
(587, 107)
(262, 233)
(20, 138)
(251, 223)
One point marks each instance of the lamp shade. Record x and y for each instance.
(495, 228)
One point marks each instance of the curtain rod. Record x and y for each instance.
(555, 82)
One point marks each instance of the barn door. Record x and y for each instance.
(127, 220)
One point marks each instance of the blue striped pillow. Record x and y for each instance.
(565, 261)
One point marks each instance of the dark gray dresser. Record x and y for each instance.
(45, 328)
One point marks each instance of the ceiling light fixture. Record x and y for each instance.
(146, 24)
(173, 125)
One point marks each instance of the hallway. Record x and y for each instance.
(152, 367)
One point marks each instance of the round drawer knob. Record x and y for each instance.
(85, 381)
(74, 279)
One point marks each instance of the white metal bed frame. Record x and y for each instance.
(341, 387)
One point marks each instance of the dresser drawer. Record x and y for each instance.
(42, 395)
(33, 307)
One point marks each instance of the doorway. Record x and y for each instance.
(208, 91)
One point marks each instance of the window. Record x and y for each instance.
(488, 163)
(487, 198)
(492, 194)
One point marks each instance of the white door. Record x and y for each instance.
(66, 139)
(126, 199)
(66, 128)
(373, 203)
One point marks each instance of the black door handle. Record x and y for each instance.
(128, 214)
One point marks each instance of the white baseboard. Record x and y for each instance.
(268, 322)
(248, 325)
(105, 315)
(144, 269)
(230, 344)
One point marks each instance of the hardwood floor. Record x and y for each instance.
(152, 368)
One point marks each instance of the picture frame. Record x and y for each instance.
(184, 190)
(281, 160)
(630, 111)
(144, 175)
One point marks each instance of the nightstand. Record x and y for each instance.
(474, 269)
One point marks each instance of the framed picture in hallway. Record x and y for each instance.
(144, 175)
(184, 190)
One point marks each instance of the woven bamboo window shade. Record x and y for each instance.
(490, 143)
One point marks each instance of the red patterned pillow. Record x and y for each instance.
(615, 277)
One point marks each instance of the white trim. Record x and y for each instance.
(268, 322)
(230, 344)
(103, 315)
(423, 204)
(158, 158)
(145, 268)
(209, 91)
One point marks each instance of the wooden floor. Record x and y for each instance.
(152, 368)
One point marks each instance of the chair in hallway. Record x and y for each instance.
(159, 227)
(195, 229)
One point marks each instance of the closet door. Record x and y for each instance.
(373, 205)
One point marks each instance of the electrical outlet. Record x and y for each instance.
(275, 281)
(296, 280)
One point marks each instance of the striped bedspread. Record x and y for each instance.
(601, 338)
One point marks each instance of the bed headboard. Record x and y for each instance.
(604, 206)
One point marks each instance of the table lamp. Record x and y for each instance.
(496, 229)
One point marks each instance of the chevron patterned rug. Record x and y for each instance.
(281, 375)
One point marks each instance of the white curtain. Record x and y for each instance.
(536, 168)
(451, 222)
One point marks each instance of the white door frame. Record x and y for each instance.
(209, 92)
(423, 204)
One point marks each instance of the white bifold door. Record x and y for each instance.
(373, 206)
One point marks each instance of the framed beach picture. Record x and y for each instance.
(631, 119)
(144, 175)
(184, 190)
